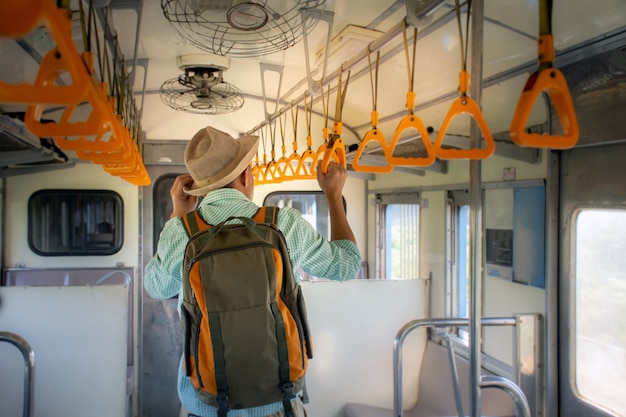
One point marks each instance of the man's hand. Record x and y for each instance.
(332, 184)
(182, 203)
(333, 181)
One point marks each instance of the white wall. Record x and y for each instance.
(82, 176)
(353, 325)
(78, 336)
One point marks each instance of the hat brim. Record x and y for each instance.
(247, 150)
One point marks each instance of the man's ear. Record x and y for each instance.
(243, 177)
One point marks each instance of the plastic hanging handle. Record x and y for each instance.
(335, 150)
(551, 81)
(464, 105)
(302, 171)
(374, 135)
(337, 153)
(407, 122)
(285, 168)
(294, 159)
(319, 155)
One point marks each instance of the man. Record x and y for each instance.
(219, 169)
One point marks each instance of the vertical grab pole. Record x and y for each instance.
(475, 189)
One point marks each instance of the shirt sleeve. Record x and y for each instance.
(163, 274)
(338, 260)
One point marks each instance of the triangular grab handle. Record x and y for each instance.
(551, 81)
(464, 105)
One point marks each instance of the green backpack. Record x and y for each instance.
(246, 339)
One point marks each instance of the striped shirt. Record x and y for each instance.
(336, 260)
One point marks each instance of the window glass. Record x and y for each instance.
(398, 235)
(75, 222)
(600, 311)
(402, 241)
(463, 261)
(311, 204)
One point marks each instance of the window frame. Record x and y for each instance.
(305, 193)
(572, 307)
(118, 243)
(383, 200)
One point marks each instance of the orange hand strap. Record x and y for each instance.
(551, 81)
(284, 166)
(305, 168)
(336, 150)
(373, 135)
(464, 105)
(273, 174)
(410, 121)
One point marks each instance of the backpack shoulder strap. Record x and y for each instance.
(194, 223)
(266, 214)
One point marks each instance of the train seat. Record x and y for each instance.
(436, 392)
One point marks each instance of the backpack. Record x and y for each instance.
(246, 339)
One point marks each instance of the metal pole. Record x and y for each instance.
(29, 369)
(436, 322)
(475, 258)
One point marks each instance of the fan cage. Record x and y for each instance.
(220, 98)
(228, 28)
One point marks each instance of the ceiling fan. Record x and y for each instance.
(201, 88)
(242, 28)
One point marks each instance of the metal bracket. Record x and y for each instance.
(314, 86)
(279, 70)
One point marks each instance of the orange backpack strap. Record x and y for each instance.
(267, 214)
(194, 223)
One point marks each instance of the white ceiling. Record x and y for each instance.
(510, 30)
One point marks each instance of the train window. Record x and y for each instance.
(398, 235)
(599, 339)
(312, 205)
(75, 222)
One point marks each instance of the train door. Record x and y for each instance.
(161, 339)
(592, 282)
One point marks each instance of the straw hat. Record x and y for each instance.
(214, 158)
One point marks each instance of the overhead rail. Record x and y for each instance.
(109, 136)
(29, 368)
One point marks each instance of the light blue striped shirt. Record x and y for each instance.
(336, 260)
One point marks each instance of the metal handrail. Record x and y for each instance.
(29, 368)
(517, 394)
(127, 277)
(458, 399)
